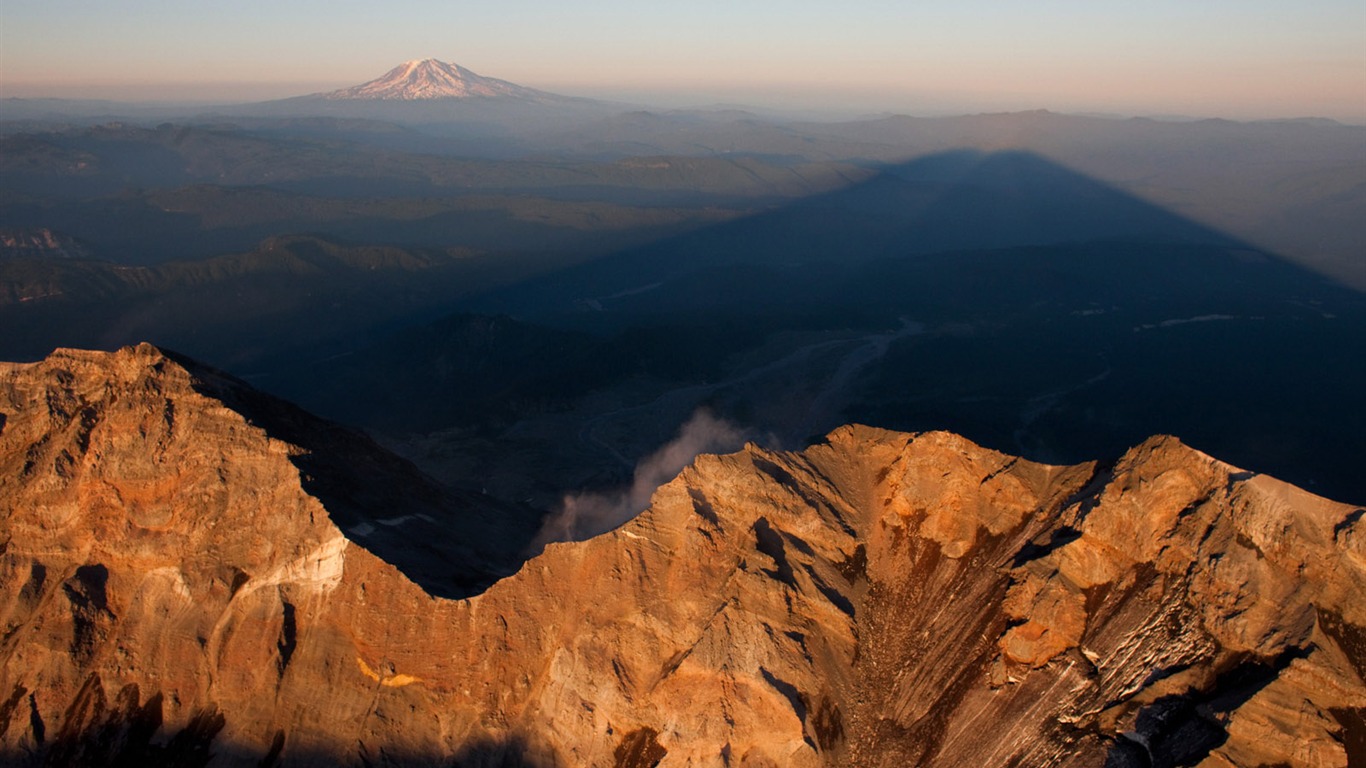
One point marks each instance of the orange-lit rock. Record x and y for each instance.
(185, 575)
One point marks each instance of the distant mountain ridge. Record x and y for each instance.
(426, 79)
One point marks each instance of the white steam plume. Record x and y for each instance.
(584, 515)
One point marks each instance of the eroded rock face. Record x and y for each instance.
(175, 587)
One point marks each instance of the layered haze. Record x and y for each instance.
(1264, 59)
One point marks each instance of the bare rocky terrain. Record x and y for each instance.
(196, 574)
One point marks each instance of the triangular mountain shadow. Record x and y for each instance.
(1059, 319)
(957, 201)
(1062, 318)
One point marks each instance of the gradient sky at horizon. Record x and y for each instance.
(1246, 59)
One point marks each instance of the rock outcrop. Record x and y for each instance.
(188, 576)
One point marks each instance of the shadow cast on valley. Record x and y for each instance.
(955, 202)
(1064, 320)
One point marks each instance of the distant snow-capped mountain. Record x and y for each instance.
(425, 79)
(443, 98)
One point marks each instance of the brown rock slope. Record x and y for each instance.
(175, 589)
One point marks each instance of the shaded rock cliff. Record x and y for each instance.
(189, 576)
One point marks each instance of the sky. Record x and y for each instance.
(1240, 59)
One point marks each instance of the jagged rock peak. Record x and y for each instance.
(424, 79)
(171, 588)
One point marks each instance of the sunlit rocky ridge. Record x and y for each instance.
(176, 591)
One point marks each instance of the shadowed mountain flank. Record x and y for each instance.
(376, 498)
(174, 591)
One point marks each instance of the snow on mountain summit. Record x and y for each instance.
(423, 79)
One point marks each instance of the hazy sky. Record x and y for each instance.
(1230, 58)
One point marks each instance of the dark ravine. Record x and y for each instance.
(188, 576)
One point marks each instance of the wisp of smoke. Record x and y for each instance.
(585, 515)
